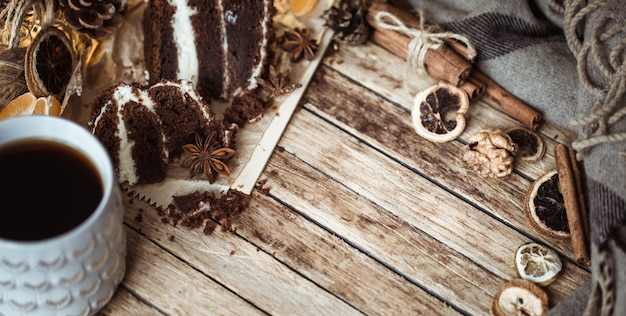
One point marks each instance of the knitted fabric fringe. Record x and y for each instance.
(610, 107)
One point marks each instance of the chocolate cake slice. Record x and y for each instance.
(219, 45)
(143, 128)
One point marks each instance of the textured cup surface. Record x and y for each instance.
(76, 272)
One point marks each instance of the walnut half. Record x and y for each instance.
(490, 153)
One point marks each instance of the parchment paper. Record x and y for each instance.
(120, 59)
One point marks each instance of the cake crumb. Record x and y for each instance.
(200, 209)
(139, 217)
(260, 186)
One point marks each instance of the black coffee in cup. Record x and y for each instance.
(48, 188)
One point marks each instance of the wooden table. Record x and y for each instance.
(363, 216)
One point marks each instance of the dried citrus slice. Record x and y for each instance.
(537, 263)
(302, 7)
(49, 63)
(438, 112)
(519, 297)
(545, 208)
(530, 145)
(27, 104)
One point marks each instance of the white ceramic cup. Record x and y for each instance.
(78, 271)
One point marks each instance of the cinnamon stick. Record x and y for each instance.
(441, 63)
(448, 63)
(584, 214)
(509, 103)
(473, 88)
(569, 190)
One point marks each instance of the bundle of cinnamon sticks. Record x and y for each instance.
(449, 63)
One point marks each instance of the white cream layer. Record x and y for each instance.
(184, 35)
(121, 96)
(186, 87)
(226, 85)
(264, 46)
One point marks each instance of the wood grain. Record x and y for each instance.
(330, 262)
(356, 214)
(125, 303)
(255, 276)
(383, 236)
(388, 75)
(363, 114)
(407, 195)
(173, 286)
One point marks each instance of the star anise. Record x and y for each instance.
(278, 83)
(297, 43)
(207, 157)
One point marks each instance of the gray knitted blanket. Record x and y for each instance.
(568, 60)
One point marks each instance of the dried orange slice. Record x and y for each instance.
(520, 297)
(537, 263)
(438, 112)
(544, 207)
(27, 104)
(49, 63)
(302, 7)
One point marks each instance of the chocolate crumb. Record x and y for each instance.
(209, 227)
(139, 217)
(204, 209)
(232, 252)
(260, 186)
(172, 237)
(245, 108)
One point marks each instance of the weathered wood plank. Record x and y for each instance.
(411, 197)
(125, 303)
(388, 128)
(388, 75)
(331, 263)
(173, 286)
(231, 261)
(414, 254)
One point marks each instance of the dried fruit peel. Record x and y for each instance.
(531, 214)
(537, 263)
(27, 104)
(49, 62)
(519, 297)
(442, 107)
(530, 146)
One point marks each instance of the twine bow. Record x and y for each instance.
(422, 39)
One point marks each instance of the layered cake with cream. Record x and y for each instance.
(219, 45)
(143, 128)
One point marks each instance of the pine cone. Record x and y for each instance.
(96, 18)
(347, 19)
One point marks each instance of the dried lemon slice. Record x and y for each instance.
(49, 63)
(519, 297)
(438, 112)
(545, 208)
(537, 263)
